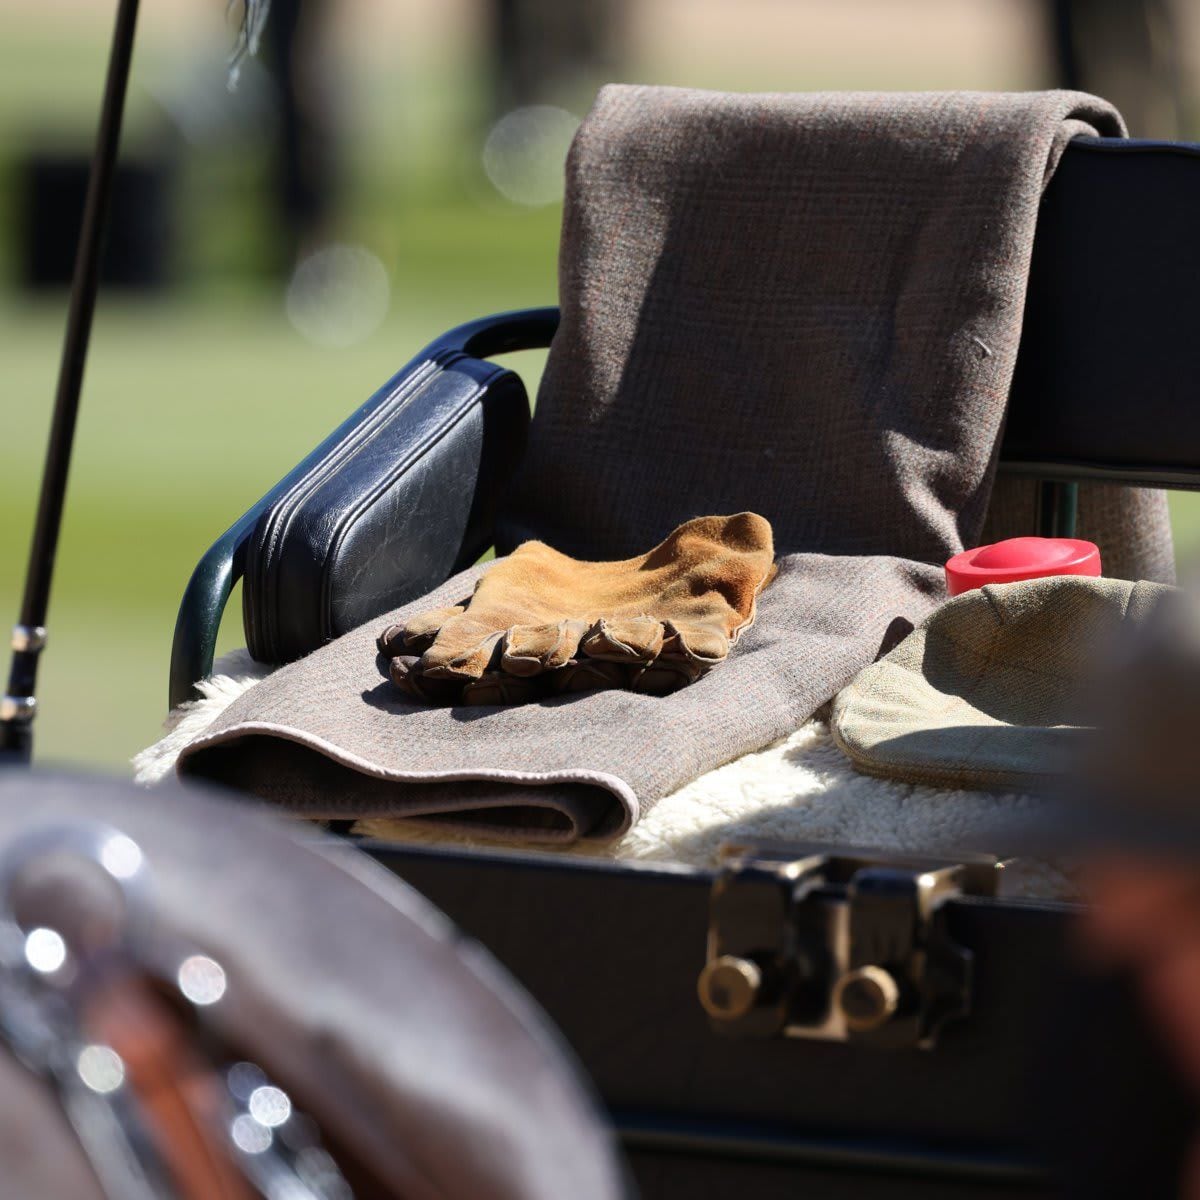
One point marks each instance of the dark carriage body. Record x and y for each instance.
(1103, 391)
(614, 954)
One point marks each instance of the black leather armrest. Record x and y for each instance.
(405, 499)
(396, 499)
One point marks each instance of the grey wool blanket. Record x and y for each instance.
(806, 306)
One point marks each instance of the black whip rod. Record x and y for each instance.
(18, 705)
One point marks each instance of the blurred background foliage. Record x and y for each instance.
(203, 390)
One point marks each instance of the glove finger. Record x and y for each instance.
(404, 672)
(416, 635)
(463, 650)
(589, 675)
(665, 675)
(624, 639)
(532, 649)
(705, 644)
(498, 687)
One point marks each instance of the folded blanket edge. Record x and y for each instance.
(629, 804)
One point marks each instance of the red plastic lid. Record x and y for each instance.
(1021, 558)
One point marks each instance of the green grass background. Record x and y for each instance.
(196, 403)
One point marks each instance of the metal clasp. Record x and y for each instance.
(823, 942)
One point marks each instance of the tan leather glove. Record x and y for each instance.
(540, 622)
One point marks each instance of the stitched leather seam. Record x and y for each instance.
(452, 420)
(281, 515)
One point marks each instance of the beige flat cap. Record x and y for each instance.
(993, 690)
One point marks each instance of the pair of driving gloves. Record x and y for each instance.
(541, 623)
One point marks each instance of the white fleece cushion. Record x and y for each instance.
(801, 788)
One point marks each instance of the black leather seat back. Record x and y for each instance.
(1107, 379)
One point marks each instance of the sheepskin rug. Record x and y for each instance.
(801, 788)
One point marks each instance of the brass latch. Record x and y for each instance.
(821, 942)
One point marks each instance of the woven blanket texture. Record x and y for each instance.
(806, 306)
